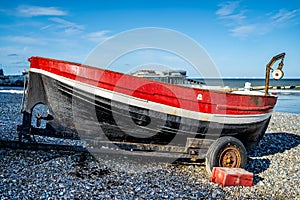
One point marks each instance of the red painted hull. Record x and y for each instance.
(172, 95)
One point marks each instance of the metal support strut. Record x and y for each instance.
(277, 74)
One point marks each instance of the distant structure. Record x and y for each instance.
(12, 80)
(172, 76)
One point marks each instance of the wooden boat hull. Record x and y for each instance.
(96, 103)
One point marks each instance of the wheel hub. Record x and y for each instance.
(230, 157)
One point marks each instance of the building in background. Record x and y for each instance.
(12, 80)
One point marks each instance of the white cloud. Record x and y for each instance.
(46, 27)
(98, 36)
(236, 17)
(66, 24)
(32, 11)
(68, 27)
(231, 13)
(282, 16)
(72, 30)
(227, 8)
(25, 40)
(242, 25)
(243, 31)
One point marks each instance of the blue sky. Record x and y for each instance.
(239, 36)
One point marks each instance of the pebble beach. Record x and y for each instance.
(275, 163)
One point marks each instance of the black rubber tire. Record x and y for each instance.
(219, 147)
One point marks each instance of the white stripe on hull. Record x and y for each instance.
(115, 96)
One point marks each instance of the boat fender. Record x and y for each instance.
(277, 74)
(248, 86)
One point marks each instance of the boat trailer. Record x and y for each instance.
(226, 151)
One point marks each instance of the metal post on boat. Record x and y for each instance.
(277, 74)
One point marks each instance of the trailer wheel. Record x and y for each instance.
(226, 152)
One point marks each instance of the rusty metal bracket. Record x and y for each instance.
(279, 70)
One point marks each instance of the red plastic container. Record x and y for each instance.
(231, 176)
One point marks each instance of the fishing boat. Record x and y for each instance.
(137, 114)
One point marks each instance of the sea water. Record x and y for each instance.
(11, 90)
(288, 99)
